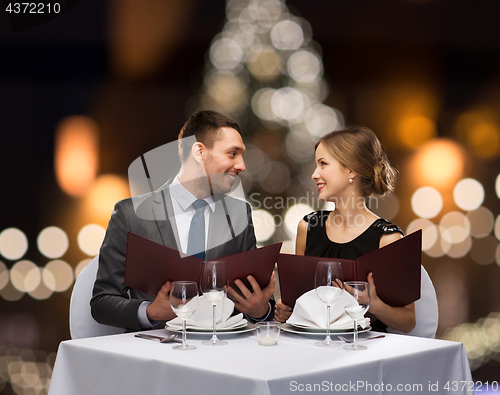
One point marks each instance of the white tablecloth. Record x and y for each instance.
(123, 364)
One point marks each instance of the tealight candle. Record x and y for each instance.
(268, 332)
(267, 340)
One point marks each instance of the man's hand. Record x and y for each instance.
(282, 312)
(160, 309)
(254, 304)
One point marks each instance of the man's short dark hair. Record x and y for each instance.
(205, 126)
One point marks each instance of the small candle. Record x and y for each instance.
(267, 340)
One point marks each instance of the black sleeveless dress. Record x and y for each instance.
(318, 244)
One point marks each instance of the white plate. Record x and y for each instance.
(224, 331)
(320, 331)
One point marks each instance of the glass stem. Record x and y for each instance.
(355, 334)
(328, 340)
(214, 337)
(183, 333)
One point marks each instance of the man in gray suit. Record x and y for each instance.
(211, 151)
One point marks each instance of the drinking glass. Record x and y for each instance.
(328, 285)
(214, 288)
(184, 300)
(361, 293)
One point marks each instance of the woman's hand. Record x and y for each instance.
(282, 312)
(400, 318)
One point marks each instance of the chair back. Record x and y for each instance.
(426, 310)
(81, 322)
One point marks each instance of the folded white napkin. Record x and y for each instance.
(310, 312)
(202, 317)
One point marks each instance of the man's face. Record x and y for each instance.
(224, 160)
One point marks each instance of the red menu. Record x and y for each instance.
(149, 265)
(395, 268)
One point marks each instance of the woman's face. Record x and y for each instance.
(331, 177)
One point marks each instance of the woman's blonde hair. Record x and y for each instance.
(358, 149)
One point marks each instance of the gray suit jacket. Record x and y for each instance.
(115, 304)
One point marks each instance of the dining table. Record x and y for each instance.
(128, 365)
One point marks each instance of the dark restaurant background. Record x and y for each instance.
(85, 94)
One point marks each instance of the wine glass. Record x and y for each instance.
(184, 300)
(361, 293)
(214, 288)
(328, 285)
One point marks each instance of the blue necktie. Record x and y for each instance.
(196, 241)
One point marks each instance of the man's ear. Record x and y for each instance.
(197, 152)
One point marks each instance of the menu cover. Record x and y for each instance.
(149, 265)
(395, 268)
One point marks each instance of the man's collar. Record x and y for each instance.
(186, 198)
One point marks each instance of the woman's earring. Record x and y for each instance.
(350, 181)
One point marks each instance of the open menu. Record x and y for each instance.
(395, 268)
(149, 265)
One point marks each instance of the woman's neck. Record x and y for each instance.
(352, 212)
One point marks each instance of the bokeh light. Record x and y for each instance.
(27, 371)
(287, 35)
(226, 53)
(429, 232)
(438, 163)
(458, 250)
(497, 228)
(481, 222)
(415, 130)
(41, 292)
(264, 63)
(287, 103)
(4, 275)
(58, 276)
(426, 202)
(76, 154)
(261, 104)
(484, 139)
(90, 239)
(454, 227)
(320, 120)
(304, 66)
(13, 243)
(53, 242)
(440, 247)
(264, 225)
(468, 194)
(106, 191)
(497, 186)
(481, 339)
(19, 272)
(293, 216)
(228, 90)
